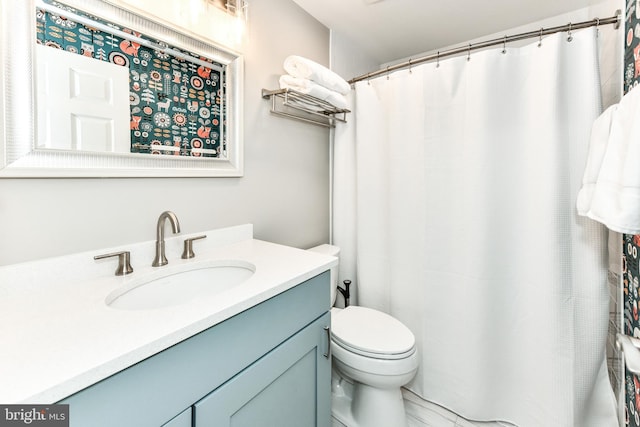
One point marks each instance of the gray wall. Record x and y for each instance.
(348, 59)
(284, 192)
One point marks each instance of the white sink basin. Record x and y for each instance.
(168, 287)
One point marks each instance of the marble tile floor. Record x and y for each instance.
(421, 413)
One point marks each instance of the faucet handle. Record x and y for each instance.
(188, 246)
(124, 262)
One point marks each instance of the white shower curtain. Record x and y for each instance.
(455, 190)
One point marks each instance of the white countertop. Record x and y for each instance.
(58, 336)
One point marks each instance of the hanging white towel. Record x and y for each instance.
(610, 191)
(298, 66)
(308, 87)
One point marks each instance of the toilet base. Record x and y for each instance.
(358, 405)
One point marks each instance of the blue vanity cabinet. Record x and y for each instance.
(264, 367)
(285, 388)
(185, 419)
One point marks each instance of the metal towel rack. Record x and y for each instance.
(299, 106)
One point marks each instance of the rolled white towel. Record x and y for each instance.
(297, 66)
(308, 87)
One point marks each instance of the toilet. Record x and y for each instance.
(373, 355)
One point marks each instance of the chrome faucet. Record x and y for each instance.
(160, 258)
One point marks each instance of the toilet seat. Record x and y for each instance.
(371, 333)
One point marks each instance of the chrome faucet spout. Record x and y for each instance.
(161, 258)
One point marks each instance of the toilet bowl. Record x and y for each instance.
(376, 355)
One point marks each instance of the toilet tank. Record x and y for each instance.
(332, 251)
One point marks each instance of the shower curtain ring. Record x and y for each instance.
(570, 36)
(438, 60)
(540, 38)
(597, 27)
(504, 45)
(469, 53)
(410, 71)
(387, 73)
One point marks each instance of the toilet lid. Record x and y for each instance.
(371, 332)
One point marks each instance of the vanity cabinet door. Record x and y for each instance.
(182, 420)
(288, 387)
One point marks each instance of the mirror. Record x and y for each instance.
(91, 89)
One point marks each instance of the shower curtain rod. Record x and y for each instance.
(615, 20)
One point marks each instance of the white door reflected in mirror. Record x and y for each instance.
(82, 103)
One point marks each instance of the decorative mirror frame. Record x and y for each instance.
(20, 159)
